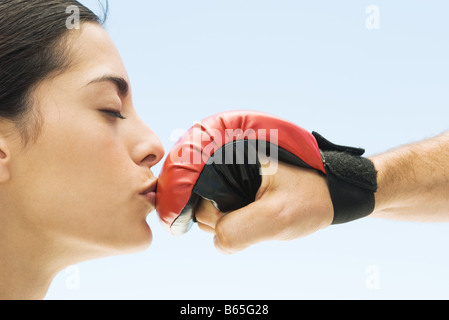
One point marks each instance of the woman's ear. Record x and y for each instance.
(5, 160)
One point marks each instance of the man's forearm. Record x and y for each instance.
(414, 182)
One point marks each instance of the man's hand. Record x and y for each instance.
(293, 203)
(413, 186)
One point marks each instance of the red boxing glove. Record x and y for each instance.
(218, 160)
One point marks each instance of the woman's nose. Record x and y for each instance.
(155, 151)
(149, 150)
(152, 159)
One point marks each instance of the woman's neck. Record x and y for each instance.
(28, 263)
(23, 283)
(22, 278)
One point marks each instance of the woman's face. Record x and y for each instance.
(82, 182)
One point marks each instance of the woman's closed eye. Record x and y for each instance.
(115, 114)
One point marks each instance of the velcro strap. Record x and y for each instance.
(352, 180)
(326, 145)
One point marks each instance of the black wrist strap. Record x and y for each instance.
(352, 180)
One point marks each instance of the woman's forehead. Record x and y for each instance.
(94, 54)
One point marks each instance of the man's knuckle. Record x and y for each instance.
(226, 241)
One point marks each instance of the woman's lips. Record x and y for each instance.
(151, 197)
(150, 193)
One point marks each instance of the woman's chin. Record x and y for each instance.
(146, 243)
(134, 242)
(141, 241)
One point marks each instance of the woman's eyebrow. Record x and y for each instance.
(121, 84)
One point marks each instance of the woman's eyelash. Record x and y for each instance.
(114, 114)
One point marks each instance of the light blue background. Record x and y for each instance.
(316, 64)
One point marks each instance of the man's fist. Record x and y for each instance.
(245, 162)
(290, 204)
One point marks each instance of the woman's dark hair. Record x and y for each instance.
(33, 47)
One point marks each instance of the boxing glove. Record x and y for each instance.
(220, 158)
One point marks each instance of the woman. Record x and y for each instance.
(75, 159)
